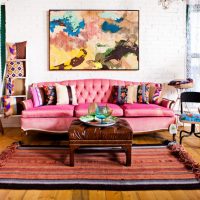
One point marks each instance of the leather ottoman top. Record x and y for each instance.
(80, 131)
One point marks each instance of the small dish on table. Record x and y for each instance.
(94, 121)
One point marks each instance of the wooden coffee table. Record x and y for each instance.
(119, 135)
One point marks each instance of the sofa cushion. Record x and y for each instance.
(146, 110)
(82, 109)
(66, 94)
(50, 111)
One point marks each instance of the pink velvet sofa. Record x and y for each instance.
(57, 118)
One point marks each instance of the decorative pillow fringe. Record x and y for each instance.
(184, 157)
(7, 153)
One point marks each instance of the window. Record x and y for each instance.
(193, 44)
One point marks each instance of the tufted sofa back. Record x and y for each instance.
(91, 90)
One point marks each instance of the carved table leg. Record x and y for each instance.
(72, 148)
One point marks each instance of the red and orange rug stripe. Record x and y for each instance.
(151, 166)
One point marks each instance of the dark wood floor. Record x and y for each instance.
(191, 144)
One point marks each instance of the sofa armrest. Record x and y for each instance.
(27, 104)
(167, 103)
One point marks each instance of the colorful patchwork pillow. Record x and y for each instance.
(11, 51)
(132, 93)
(9, 105)
(119, 95)
(155, 93)
(16, 51)
(38, 96)
(66, 94)
(9, 89)
(143, 93)
(50, 95)
(15, 69)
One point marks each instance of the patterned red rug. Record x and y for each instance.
(153, 167)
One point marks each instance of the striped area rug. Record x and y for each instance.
(153, 167)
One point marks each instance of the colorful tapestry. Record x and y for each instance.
(94, 40)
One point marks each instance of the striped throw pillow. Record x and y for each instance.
(38, 96)
(66, 94)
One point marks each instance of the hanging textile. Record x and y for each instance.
(193, 43)
(2, 41)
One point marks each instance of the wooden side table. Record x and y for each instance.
(119, 135)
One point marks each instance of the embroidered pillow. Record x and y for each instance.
(15, 69)
(66, 94)
(21, 50)
(132, 94)
(143, 93)
(119, 94)
(38, 96)
(50, 95)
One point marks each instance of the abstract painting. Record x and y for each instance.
(94, 39)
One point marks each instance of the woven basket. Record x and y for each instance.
(184, 85)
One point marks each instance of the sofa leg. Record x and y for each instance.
(23, 135)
